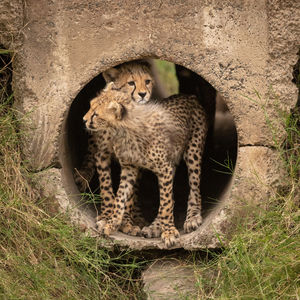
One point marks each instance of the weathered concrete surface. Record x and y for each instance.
(230, 44)
(52, 187)
(238, 46)
(257, 175)
(11, 23)
(169, 279)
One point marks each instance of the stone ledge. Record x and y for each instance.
(257, 174)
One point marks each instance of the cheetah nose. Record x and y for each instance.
(142, 95)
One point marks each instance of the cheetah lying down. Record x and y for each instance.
(154, 136)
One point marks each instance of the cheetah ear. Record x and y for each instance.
(144, 63)
(109, 86)
(110, 74)
(117, 109)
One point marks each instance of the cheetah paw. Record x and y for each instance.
(130, 229)
(192, 223)
(170, 237)
(151, 231)
(110, 228)
(100, 224)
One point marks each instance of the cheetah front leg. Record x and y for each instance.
(123, 202)
(103, 161)
(165, 215)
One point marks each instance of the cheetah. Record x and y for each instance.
(136, 80)
(154, 136)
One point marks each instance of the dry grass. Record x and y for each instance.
(41, 255)
(262, 261)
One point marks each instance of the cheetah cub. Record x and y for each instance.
(154, 136)
(134, 79)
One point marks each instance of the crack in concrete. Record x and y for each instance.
(258, 145)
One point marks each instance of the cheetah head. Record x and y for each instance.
(134, 78)
(106, 109)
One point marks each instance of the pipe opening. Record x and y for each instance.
(219, 155)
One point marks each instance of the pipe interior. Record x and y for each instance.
(219, 155)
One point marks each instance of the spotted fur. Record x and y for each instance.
(136, 81)
(154, 136)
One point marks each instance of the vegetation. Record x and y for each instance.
(43, 257)
(262, 260)
(167, 74)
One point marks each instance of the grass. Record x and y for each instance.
(43, 257)
(167, 74)
(262, 260)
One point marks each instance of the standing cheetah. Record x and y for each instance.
(154, 136)
(135, 79)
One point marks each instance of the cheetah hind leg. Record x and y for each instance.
(138, 219)
(193, 158)
(136, 211)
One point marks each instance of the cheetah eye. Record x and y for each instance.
(131, 83)
(147, 81)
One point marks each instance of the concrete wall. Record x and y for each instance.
(239, 47)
